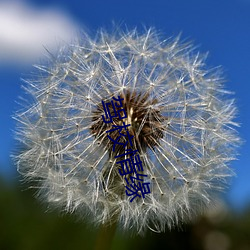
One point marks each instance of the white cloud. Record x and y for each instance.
(25, 31)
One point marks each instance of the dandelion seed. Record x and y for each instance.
(181, 124)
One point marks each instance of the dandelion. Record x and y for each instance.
(181, 124)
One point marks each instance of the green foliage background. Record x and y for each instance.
(26, 225)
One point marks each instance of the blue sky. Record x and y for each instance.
(221, 27)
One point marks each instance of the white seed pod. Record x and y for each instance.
(181, 122)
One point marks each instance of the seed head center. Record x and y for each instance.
(145, 124)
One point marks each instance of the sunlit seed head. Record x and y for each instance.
(181, 120)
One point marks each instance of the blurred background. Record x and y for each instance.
(29, 28)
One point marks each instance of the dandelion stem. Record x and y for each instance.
(105, 236)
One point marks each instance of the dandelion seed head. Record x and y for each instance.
(182, 123)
